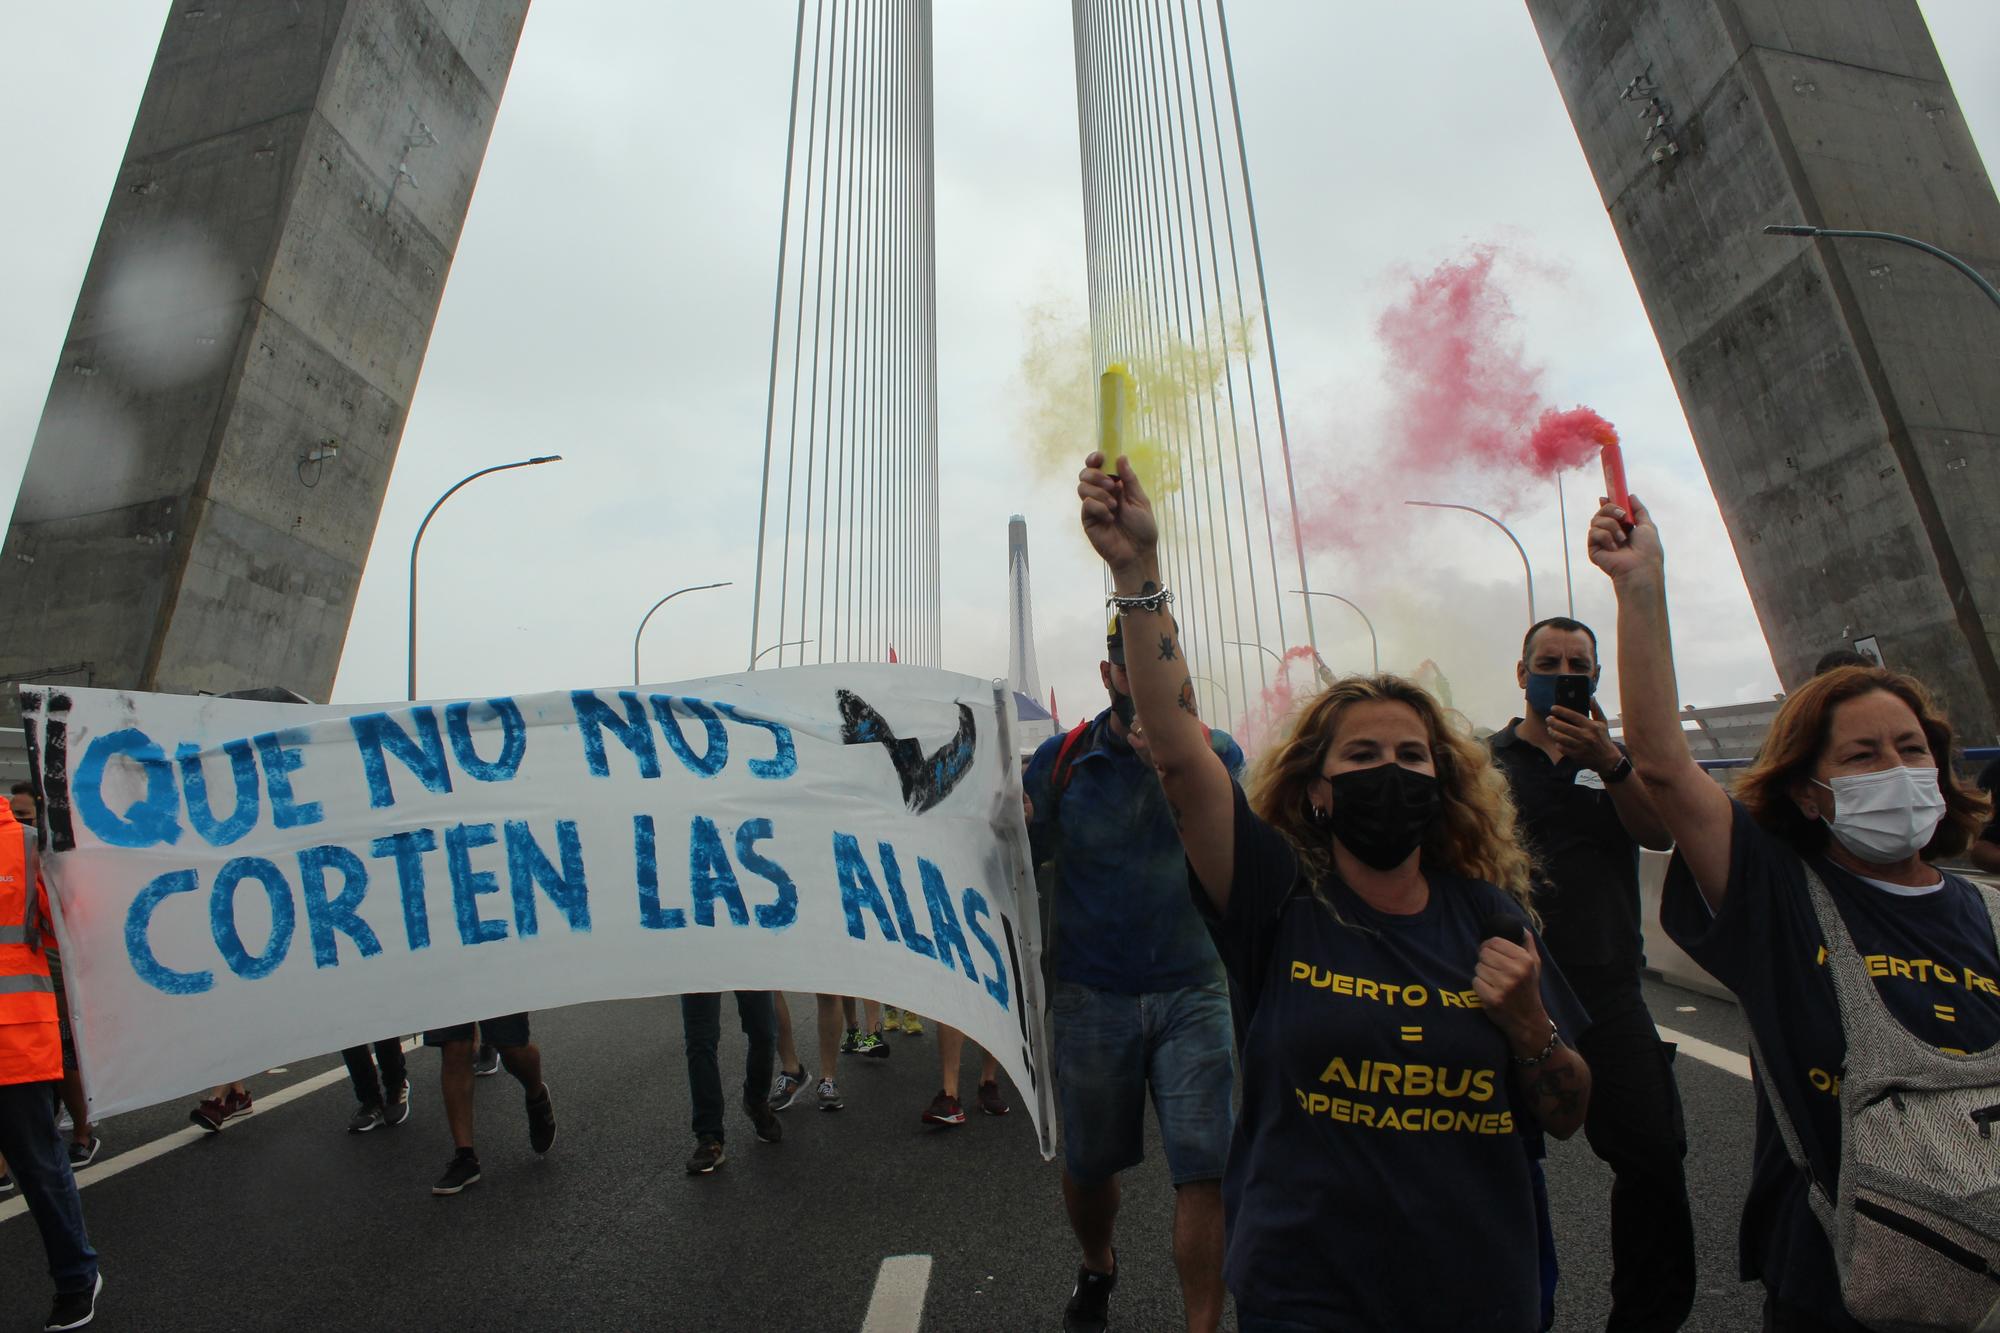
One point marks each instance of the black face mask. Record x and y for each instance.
(1381, 814)
(1125, 708)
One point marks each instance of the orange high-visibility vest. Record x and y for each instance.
(30, 1040)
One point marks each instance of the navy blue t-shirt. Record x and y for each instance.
(1933, 958)
(1123, 922)
(1378, 1177)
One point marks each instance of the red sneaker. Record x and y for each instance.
(990, 1100)
(209, 1115)
(944, 1110)
(235, 1104)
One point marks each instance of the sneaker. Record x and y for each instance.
(485, 1062)
(912, 1025)
(944, 1110)
(789, 1088)
(707, 1155)
(990, 1100)
(210, 1115)
(63, 1122)
(541, 1120)
(1089, 1308)
(829, 1096)
(851, 1041)
(765, 1119)
(367, 1116)
(873, 1046)
(74, 1309)
(6, 1183)
(397, 1109)
(83, 1154)
(462, 1171)
(235, 1104)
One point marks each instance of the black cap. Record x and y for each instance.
(1114, 641)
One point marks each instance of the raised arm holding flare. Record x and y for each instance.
(1370, 902)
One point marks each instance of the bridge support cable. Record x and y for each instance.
(1167, 210)
(847, 533)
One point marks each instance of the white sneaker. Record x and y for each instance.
(829, 1096)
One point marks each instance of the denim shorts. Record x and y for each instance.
(1110, 1048)
(512, 1030)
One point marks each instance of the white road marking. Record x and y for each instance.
(898, 1303)
(146, 1152)
(1709, 1053)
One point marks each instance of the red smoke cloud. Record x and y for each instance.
(1568, 439)
(1465, 404)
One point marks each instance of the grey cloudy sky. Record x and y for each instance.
(610, 301)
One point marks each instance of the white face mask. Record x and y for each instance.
(1886, 817)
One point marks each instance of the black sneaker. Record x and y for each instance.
(707, 1155)
(397, 1109)
(6, 1183)
(485, 1062)
(541, 1120)
(83, 1154)
(1089, 1308)
(367, 1116)
(765, 1119)
(74, 1309)
(463, 1171)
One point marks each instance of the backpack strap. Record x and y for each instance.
(1066, 753)
(1816, 1192)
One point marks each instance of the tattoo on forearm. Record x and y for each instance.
(1556, 1092)
(1167, 653)
(1186, 699)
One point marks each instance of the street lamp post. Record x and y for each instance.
(1836, 233)
(418, 541)
(1276, 657)
(1525, 569)
(789, 643)
(1374, 644)
(656, 606)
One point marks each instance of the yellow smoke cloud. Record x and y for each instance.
(1172, 392)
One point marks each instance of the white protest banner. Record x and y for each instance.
(241, 883)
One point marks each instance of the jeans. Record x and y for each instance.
(1110, 1049)
(39, 1161)
(701, 1026)
(368, 1087)
(1634, 1125)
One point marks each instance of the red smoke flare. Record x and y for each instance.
(1568, 439)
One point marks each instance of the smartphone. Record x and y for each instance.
(1573, 693)
(1614, 479)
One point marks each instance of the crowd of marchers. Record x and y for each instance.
(1363, 981)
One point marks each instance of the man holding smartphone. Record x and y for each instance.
(1585, 814)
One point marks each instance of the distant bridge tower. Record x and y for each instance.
(1023, 679)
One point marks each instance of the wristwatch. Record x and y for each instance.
(1619, 773)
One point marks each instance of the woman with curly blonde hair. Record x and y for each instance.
(1400, 1032)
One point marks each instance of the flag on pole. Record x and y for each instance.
(892, 652)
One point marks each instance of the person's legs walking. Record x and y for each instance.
(1191, 1067)
(756, 1012)
(701, 1031)
(455, 1088)
(1100, 1073)
(791, 1080)
(40, 1165)
(361, 1073)
(829, 1052)
(1635, 1125)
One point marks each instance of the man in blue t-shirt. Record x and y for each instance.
(1140, 999)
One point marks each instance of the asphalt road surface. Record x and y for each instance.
(285, 1221)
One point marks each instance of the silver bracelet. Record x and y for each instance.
(1555, 1040)
(1152, 603)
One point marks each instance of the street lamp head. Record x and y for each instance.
(1790, 229)
(545, 458)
